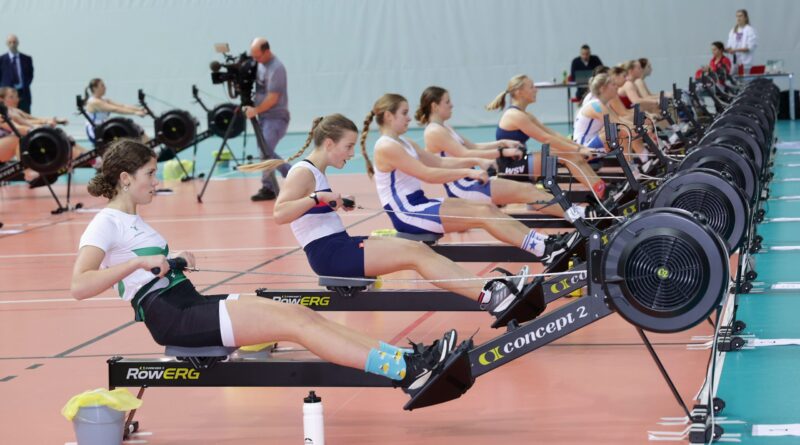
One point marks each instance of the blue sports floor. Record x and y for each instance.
(762, 385)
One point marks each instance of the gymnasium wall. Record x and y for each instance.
(341, 55)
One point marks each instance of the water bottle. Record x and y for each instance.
(313, 424)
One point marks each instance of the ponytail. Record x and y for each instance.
(90, 88)
(431, 95)
(499, 102)
(314, 125)
(388, 102)
(364, 132)
(328, 127)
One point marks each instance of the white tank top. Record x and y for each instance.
(453, 133)
(586, 128)
(321, 220)
(98, 117)
(394, 185)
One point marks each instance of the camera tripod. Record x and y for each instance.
(259, 141)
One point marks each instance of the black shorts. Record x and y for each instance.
(180, 316)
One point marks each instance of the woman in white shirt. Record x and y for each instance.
(120, 250)
(742, 41)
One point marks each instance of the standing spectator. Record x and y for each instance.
(272, 109)
(16, 71)
(742, 41)
(585, 62)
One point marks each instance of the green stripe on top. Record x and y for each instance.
(147, 251)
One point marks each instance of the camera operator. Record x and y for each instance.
(272, 108)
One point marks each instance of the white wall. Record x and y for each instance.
(341, 55)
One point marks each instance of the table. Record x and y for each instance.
(568, 86)
(789, 76)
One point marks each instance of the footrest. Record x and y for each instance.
(449, 382)
(524, 308)
(206, 351)
(427, 238)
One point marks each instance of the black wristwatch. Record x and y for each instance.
(314, 197)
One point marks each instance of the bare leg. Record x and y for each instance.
(505, 191)
(475, 215)
(579, 168)
(9, 147)
(257, 320)
(387, 255)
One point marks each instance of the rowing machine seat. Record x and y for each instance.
(345, 282)
(427, 238)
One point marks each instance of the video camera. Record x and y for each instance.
(238, 72)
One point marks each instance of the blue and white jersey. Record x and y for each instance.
(586, 129)
(402, 196)
(321, 220)
(98, 117)
(465, 188)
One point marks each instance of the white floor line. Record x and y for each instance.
(781, 220)
(209, 250)
(220, 249)
(84, 222)
(59, 300)
(782, 248)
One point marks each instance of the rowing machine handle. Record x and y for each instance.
(611, 132)
(346, 202)
(638, 116)
(174, 264)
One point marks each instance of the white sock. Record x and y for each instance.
(534, 243)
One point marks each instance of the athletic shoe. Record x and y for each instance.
(521, 277)
(647, 166)
(497, 296)
(263, 195)
(557, 246)
(421, 363)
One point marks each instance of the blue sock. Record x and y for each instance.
(386, 347)
(391, 365)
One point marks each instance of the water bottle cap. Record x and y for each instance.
(312, 398)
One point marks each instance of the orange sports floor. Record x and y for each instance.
(596, 386)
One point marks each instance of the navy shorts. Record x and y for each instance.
(337, 255)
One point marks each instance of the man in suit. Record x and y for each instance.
(585, 62)
(16, 71)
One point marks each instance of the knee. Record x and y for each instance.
(301, 320)
(414, 252)
(487, 209)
